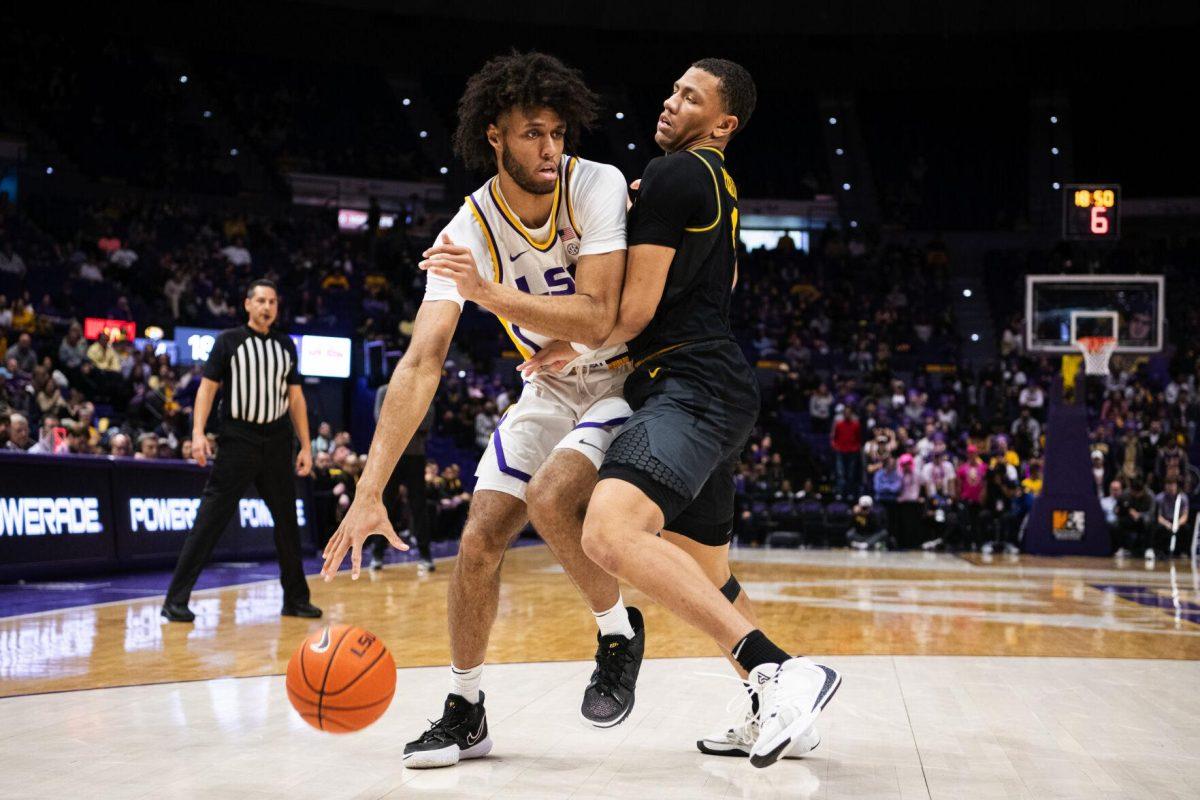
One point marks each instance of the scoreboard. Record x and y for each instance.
(1092, 211)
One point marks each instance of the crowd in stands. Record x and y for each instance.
(872, 433)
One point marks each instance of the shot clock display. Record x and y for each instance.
(1091, 211)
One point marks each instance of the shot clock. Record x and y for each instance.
(1092, 211)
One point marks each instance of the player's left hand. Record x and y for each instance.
(304, 462)
(448, 260)
(554, 357)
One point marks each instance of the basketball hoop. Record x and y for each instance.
(1097, 350)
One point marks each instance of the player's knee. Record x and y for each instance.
(600, 542)
(553, 504)
(480, 550)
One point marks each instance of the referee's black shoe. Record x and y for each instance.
(304, 609)
(178, 612)
(608, 698)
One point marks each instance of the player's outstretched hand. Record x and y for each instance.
(554, 356)
(448, 260)
(366, 517)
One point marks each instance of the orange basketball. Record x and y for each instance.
(341, 679)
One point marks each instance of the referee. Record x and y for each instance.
(255, 369)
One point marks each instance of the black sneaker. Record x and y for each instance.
(177, 612)
(608, 698)
(300, 609)
(462, 732)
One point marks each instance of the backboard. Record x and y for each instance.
(1060, 308)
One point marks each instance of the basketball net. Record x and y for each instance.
(1096, 350)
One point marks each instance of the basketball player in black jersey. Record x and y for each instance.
(695, 400)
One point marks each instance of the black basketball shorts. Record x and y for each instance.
(680, 448)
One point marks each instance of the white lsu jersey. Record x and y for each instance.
(588, 218)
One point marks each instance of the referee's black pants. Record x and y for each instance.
(409, 473)
(244, 459)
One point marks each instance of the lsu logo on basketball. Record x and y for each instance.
(364, 642)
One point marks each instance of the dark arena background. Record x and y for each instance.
(968, 268)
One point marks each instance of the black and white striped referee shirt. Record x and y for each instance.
(255, 372)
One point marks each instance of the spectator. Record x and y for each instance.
(820, 406)
(23, 317)
(1033, 398)
(119, 444)
(847, 444)
(90, 272)
(45, 443)
(908, 504)
(1026, 434)
(18, 433)
(218, 309)
(73, 349)
(76, 442)
(1166, 526)
(173, 290)
(236, 253)
(972, 492)
(47, 396)
(1172, 461)
(103, 356)
(1136, 519)
(11, 262)
(1110, 505)
(147, 446)
(1099, 472)
(877, 451)
(485, 423)
(323, 441)
(1031, 484)
(24, 353)
(937, 475)
(865, 531)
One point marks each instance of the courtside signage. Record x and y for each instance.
(50, 516)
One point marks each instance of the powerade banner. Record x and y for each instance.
(54, 514)
(80, 513)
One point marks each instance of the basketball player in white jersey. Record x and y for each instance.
(547, 238)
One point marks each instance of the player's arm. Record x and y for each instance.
(410, 391)
(646, 276)
(585, 316)
(646, 271)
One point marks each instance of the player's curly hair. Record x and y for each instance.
(525, 80)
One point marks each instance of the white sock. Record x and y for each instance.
(615, 620)
(465, 682)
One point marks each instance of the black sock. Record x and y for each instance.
(755, 649)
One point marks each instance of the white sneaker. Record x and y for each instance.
(857, 545)
(1149, 554)
(987, 549)
(789, 705)
(738, 740)
(932, 544)
(1011, 549)
(1122, 552)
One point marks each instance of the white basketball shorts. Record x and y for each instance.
(579, 411)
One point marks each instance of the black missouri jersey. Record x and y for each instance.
(688, 201)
